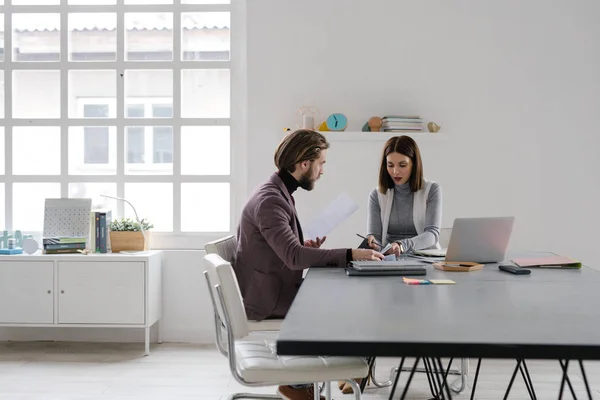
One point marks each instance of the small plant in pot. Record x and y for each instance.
(126, 234)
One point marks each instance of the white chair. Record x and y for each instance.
(255, 363)
(226, 247)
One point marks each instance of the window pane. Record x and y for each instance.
(96, 110)
(135, 145)
(153, 201)
(148, 36)
(204, 1)
(92, 2)
(205, 36)
(36, 150)
(135, 111)
(162, 110)
(92, 150)
(36, 37)
(2, 150)
(205, 93)
(149, 150)
(162, 143)
(36, 94)
(95, 145)
(148, 87)
(35, 2)
(143, 2)
(1, 91)
(93, 190)
(92, 37)
(205, 207)
(92, 94)
(205, 150)
(28, 204)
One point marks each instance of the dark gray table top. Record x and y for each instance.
(552, 313)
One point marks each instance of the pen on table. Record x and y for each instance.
(367, 239)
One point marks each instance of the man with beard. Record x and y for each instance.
(271, 252)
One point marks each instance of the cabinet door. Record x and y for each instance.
(26, 292)
(103, 292)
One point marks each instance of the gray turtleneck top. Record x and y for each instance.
(402, 228)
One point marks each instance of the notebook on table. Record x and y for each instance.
(382, 268)
(399, 265)
(554, 261)
(386, 272)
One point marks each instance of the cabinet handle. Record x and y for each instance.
(49, 291)
(62, 292)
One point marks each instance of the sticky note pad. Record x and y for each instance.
(413, 281)
(442, 282)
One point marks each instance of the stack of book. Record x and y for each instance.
(63, 244)
(402, 123)
(100, 231)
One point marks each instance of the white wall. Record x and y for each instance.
(514, 86)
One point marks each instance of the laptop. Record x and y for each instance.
(481, 240)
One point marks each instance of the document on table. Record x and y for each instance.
(331, 216)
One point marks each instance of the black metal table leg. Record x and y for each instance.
(397, 377)
(527, 379)
(405, 391)
(363, 384)
(445, 377)
(430, 378)
(512, 379)
(585, 380)
(476, 377)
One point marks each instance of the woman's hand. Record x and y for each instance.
(395, 249)
(315, 244)
(373, 243)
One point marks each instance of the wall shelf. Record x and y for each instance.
(359, 136)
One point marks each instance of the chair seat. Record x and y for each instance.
(259, 362)
(265, 325)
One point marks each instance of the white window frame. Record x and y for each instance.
(237, 121)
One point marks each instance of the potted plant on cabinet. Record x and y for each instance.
(127, 234)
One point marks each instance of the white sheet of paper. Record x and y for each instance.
(331, 216)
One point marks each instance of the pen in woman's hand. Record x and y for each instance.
(366, 238)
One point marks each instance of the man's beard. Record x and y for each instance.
(306, 182)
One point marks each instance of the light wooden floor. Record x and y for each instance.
(49, 371)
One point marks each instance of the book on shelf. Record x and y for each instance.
(399, 123)
(63, 245)
(63, 240)
(100, 231)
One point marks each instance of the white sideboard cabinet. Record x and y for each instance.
(75, 290)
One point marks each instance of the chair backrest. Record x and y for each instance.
(221, 273)
(225, 247)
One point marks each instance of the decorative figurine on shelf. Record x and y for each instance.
(308, 114)
(17, 236)
(374, 124)
(433, 127)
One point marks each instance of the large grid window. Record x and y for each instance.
(129, 98)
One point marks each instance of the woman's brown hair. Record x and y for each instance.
(299, 146)
(407, 146)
